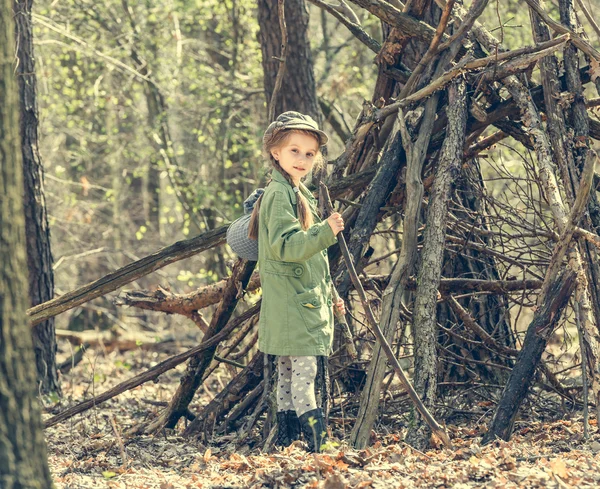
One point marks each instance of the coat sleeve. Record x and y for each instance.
(286, 237)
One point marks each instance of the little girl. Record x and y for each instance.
(296, 316)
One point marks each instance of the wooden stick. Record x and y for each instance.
(346, 333)
(437, 429)
(161, 258)
(154, 372)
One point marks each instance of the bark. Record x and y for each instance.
(370, 212)
(299, 92)
(541, 327)
(428, 279)
(23, 462)
(407, 24)
(39, 254)
(434, 426)
(198, 364)
(395, 294)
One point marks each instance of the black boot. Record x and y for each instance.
(288, 428)
(294, 426)
(314, 430)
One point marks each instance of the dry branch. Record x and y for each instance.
(127, 274)
(543, 324)
(154, 372)
(439, 431)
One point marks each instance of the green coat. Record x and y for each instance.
(296, 315)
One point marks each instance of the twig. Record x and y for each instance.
(589, 17)
(119, 439)
(353, 27)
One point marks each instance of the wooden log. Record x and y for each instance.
(198, 364)
(164, 300)
(154, 372)
(375, 196)
(541, 327)
(439, 431)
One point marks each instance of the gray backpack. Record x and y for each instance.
(237, 232)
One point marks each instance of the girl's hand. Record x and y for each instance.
(340, 306)
(336, 222)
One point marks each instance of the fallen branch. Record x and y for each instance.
(152, 373)
(127, 274)
(438, 430)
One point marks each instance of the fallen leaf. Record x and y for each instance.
(559, 467)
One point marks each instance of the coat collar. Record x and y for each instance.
(277, 176)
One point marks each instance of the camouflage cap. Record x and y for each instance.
(295, 120)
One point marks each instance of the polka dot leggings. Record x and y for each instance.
(296, 384)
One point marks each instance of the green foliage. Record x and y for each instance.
(105, 156)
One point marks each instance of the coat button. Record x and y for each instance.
(329, 302)
(328, 278)
(314, 231)
(298, 271)
(324, 252)
(314, 302)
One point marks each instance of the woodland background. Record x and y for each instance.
(151, 116)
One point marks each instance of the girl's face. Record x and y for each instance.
(297, 155)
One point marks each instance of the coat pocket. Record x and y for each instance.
(289, 269)
(313, 309)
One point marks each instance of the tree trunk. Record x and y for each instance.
(23, 462)
(425, 309)
(298, 88)
(39, 254)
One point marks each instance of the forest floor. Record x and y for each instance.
(84, 452)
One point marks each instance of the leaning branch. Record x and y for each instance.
(436, 428)
(154, 372)
(127, 274)
(163, 257)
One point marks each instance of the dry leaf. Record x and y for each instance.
(594, 68)
(559, 468)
